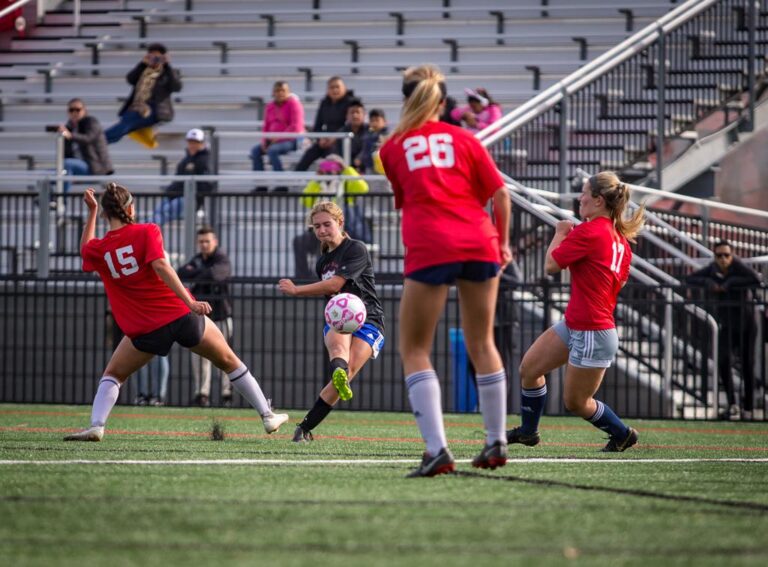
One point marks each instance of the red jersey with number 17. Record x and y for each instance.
(598, 257)
(141, 302)
(442, 178)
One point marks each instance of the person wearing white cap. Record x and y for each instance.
(196, 161)
(479, 112)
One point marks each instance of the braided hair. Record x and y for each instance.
(607, 185)
(115, 201)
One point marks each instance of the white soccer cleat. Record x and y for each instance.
(273, 421)
(93, 433)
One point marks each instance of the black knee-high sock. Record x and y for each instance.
(318, 413)
(339, 363)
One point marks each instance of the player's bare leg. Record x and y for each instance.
(126, 360)
(477, 301)
(215, 348)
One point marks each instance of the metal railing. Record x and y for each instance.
(626, 104)
(260, 231)
(57, 335)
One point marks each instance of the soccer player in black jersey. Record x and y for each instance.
(344, 266)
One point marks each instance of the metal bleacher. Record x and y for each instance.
(231, 52)
(704, 60)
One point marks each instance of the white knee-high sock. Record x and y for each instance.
(424, 395)
(244, 382)
(492, 392)
(104, 401)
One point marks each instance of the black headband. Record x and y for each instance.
(410, 86)
(593, 184)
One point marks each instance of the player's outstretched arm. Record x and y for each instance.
(89, 230)
(330, 286)
(166, 273)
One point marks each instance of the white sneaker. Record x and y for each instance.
(273, 421)
(93, 433)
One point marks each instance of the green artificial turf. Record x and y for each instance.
(297, 513)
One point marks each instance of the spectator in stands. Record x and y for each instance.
(356, 124)
(480, 111)
(85, 147)
(372, 139)
(196, 161)
(331, 116)
(728, 283)
(306, 245)
(284, 114)
(153, 81)
(209, 271)
(445, 115)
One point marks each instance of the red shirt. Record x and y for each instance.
(141, 302)
(442, 178)
(598, 257)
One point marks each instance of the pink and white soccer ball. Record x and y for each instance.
(345, 313)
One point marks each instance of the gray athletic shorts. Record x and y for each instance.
(589, 349)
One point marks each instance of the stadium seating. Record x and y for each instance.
(230, 53)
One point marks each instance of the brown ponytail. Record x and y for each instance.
(607, 185)
(115, 201)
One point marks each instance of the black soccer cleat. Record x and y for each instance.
(442, 463)
(492, 456)
(517, 436)
(301, 436)
(619, 445)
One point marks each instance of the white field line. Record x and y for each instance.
(331, 462)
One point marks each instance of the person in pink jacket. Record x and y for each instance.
(284, 114)
(479, 112)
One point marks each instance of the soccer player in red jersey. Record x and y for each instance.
(598, 255)
(442, 180)
(152, 307)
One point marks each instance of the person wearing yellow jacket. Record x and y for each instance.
(305, 245)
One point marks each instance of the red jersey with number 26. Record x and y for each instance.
(141, 302)
(598, 258)
(442, 178)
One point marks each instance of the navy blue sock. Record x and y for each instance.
(532, 402)
(605, 419)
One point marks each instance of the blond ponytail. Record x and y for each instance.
(424, 91)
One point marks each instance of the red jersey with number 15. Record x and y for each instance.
(442, 178)
(598, 258)
(141, 302)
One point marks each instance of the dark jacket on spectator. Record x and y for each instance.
(198, 164)
(331, 116)
(371, 142)
(736, 284)
(168, 82)
(357, 141)
(209, 278)
(89, 137)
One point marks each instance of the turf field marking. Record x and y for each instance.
(373, 422)
(366, 439)
(757, 506)
(313, 462)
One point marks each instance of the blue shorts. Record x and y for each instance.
(589, 349)
(368, 333)
(447, 274)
